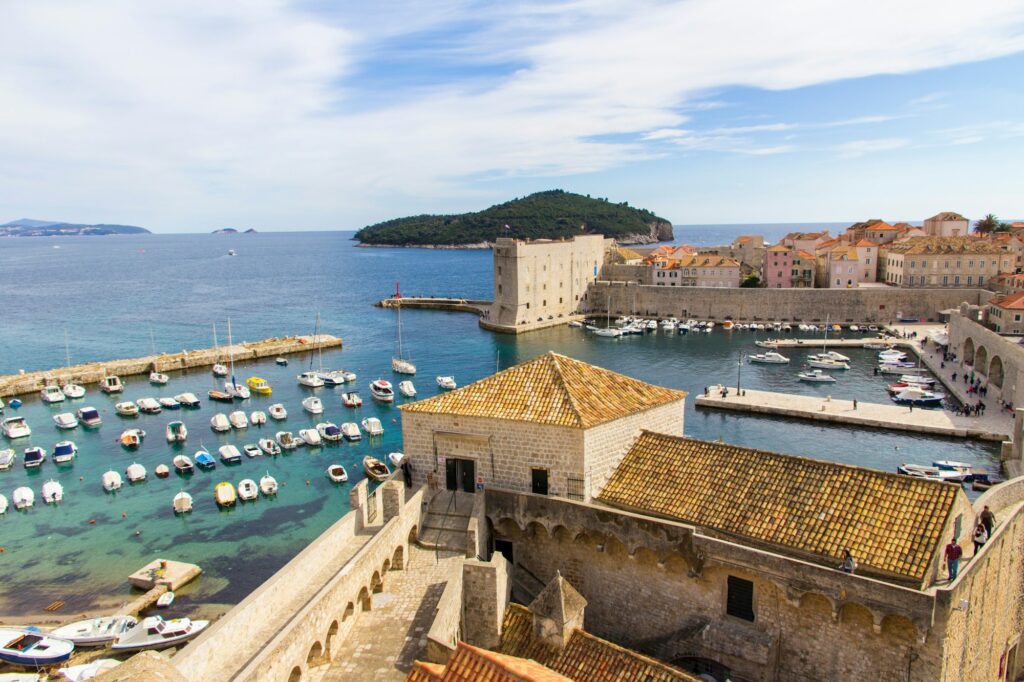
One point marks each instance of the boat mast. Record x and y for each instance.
(67, 351)
(231, 357)
(319, 345)
(398, 299)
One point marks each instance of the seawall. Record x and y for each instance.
(93, 372)
(463, 305)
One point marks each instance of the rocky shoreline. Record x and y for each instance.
(660, 232)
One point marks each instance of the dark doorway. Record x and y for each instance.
(504, 548)
(539, 481)
(460, 474)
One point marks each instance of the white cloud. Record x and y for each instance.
(857, 148)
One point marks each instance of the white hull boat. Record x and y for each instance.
(182, 503)
(821, 362)
(258, 418)
(310, 437)
(816, 376)
(229, 454)
(400, 366)
(277, 411)
(64, 452)
(219, 423)
(247, 490)
(53, 492)
(158, 378)
(375, 469)
(73, 391)
(149, 405)
(3, 504)
(165, 600)
(156, 633)
(310, 379)
(34, 457)
(236, 390)
(15, 427)
(381, 391)
(127, 409)
(225, 495)
(407, 389)
(286, 440)
(269, 446)
(396, 458)
(183, 464)
(111, 481)
(337, 473)
(94, 631)
(238, 420)
(111, 384)
(23, 498)
(135, 473)
(176, 432)
(446, 382)
(33, 649)
(351, 431)
(268, 485)
(329, 431)
(7, 459)
(51, 394)
(188, 399)
(313, 405)
(219, 370)
(770, 358)
(252, 450)
(169, 403)
(90, 416)
(372, 426)
(351, 399)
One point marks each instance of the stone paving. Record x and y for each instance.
(384, 642)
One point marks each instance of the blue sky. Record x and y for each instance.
(190, 116)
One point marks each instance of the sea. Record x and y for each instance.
(117, 297)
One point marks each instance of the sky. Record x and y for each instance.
(330, 115)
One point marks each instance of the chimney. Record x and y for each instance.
(557, 612)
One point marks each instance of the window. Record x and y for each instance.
(913, 264)
(499, 289)
(981, 279)
(945, 280)
(740, 598)
(499, 271)
(1016, 317)
(968, 279)
(956, 280)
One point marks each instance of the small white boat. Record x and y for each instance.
(607, 332)
(349, 376)
(311, 379)
(770, 358)
(176, 432)
(32, 649)
(238, 420)
(111, 384)
(446, 382)
(351, 431)
(825, 362)
(158, 378)
(156, 633)
(3, 504)
(252, 450)
(258, 418)
(90, 416)
(182, 503)
(334, 377)
(269, 446)
(162, 471)
(94, 631)
(51, 394)
(310, 437)
(816, 376)
(268, 485)
(400, 366)
(23, 497)
(183, 464)
(149, 405)
(53, 492)
(131, 438)
(7, 458)
(111, 481)
(135, 473)
(73, 390)
(372, 426)
(329, 431)
(396, 458)
(127, 409)
(277, 411)
(236, 390)
(169, 403)
(286, 440)
(575, 324)
(283, 362)
(351, 399)
(15, 427)
(247, 490)
(165, 600)
(225, 495)
(34, 457)
(337, 473)
(64, 451)
(65, 420)
(188, 399)
(407, 389)
(380, 390)
(313, 405)
(219, 370)
(229, 454)
(835, 356)
(219, 423)
(375, 469)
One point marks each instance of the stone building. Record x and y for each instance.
(867, 257)
(943, 262)
(842, 268)
(947, 224)
(1006, 314)
(786, 268)
(551, 425)
(702, 270)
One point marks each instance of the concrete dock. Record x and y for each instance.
(874, 415)
(462, 305)
(93, 372)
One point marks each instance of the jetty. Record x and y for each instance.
(93, 372)
(158, 577)
(461, 305)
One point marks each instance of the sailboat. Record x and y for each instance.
(233, 388)
(827, 359)
(156, 377)
(219, 370)
(311, 378)
(70, 388)
(400, 364)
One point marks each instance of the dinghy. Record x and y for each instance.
(165, 600)
(23, 497)
(169, 403)
(225, 495)
(375, 469)
(158, 378)
(204, 460)
(53, 492)
(131, 438)
(135, 473)
(111, 481)
(220, 396)
(247, 490)
(29, 648)
(156, 633)
(183, 465)
(351, 399)
(162, 471)
(337, 473)
(269, 446)
(182, 503)
(251, 450)
(277, 411)
(94, 631)
(268, 485)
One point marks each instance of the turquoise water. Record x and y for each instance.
(109, 293)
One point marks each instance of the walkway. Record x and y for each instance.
(384, 642)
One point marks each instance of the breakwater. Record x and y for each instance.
(462, 305)
(93, 372)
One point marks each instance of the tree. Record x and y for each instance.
(990, 223)
(751, 282)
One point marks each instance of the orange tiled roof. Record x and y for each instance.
(551, 389)
(780, 247)
(865, 242)
(937, 245)
(891, 523)
(425, 672)
(804, 254)
(472, 664)
(1011, 302)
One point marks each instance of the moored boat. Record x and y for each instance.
(162, 471)
(3, 504)
(277, 411)
(156, 633)
(23, 497)
(53, 492)
(375, 469)
(283, 362)
(225, 495)
(770, 358)
(65, 420)
(64, 451)
(310, 437)
(238, 420)
(111, 481)
(329, 431)
(187, 399)
(169, 403)
(259, 385)
(407, 389)
(183, 465)
(816, 376)
(350, 430)
(269, 446)
(158, 378)
(229, 454)
(446, 382)
(372, 426)
(268, 485)
(7, 459)
(337, 473)
(258, 418)
(247, 490)
(219, 423)
(32, 648)
(72, 390)
(51, 394)
(182, 503)
(252, 450)
(176, 432)
(165, 600)
(381, 391)
(34, 457)
(204, 460)
(111, 384)
(313, 405)
(351, 399)
(220, 396)
(396, 458)
(918, 397)
(127, 408)
(15, 427)
(135, 473)
(149, 405)
(94, 631)
(89, 416)
(286, 440)
(825, 362)
(131, 438)
(219, 370)
(310, 379)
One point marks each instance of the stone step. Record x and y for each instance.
(448, 540)
(445, 523)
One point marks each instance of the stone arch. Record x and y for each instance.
(969, 351)
(995, 372)
(817, 604)
(364, 599)
(398, 559)
(900, 628)
(508, 528)
(981, 359)
(386, 566)
(332, 632)
(295, 675)
(376, 584)
(674, 563)
(316, 652)
(350, 609)
(857, 615)
(615, 547)
(644, 557)
(561, 534)
(413, 533)
(534, 526)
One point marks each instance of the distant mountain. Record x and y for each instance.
(544, 215)
(27, 227)
(225, 230)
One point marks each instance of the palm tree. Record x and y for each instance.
(990, 223)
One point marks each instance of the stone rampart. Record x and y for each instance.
(996, 359)
(446, 629)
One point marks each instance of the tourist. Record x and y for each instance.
(849, 564)
(988, 519)
(953, 553)
(855, 404)
(980, 538)
(407, 471)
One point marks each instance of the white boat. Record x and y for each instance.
(90, 416)
(770, 358)
(352, 399)
(111, 384)
(15, 427)
(407, 389)
(576, 324)
(608, 332)
(252, 450)
(165, 600)
(94, 631)
(372, 426)
(23, 497)
(401, 364)
(349, 376)
(892, 354)
(878, 344)
(53, 492)
(310, 437)
(446, 382)
(7, 458)
(65, 420)
(238, 420)
(313, 405)
(188, 399)
(280, 360)
(219, 423)
(135, 473)
(375, 469)
(816, 376)
(854, 328)
(111, 481)
(69, 388)
(835, 356)
(286, 440)
(162, 471)
(3, 504)
(917, 380)
(932, 472)
(182, 503)
(127, 409)
(168, 403)
(335, 377)
(131, 438)
(183, 464)
(381, 391)
(258, 418)
(34, 457)
(396, 458)
(156, 633)
(33, 649)
(337, 473)
(229, 454)
(823, 362)
(268, 485)
(158, 378)
(311, 379)
(149, 405)
(51, 394)
(64, 451)
(176, 432)
(351, 431)
(277, 411)
(219, 370)
(247, 490)
(329, 431)
(231, 386)
(269, 446)
(914, 395)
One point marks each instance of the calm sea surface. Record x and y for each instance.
(110, 293)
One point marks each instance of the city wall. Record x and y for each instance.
(998, 359)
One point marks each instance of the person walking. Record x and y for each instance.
(980, 537)
(953, 553)
(988, 519)
(407, 471)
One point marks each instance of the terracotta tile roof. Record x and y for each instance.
(551, 389)
(742, 239)
(891, 523)
(947, 215)
(804, 254)
(471, 664)
(517, 636)
(425, 672)
(629, 254)
(1011, 302)
(780, 247)
(918, 246)
(885, 227)
(841, 252)
(865, 242)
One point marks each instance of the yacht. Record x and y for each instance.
(219, 423)
(204, 460)
(770, 358)
(372, 426)
(51, 394)
(156, 633)
(337, 473)
(238, 420)
(127, 408)
(34, 457)
(609, 332)
(229, 454)
(313, 405)
(407, 389)
(65, 420)
(183, 465)
(53, 492)
(351, 431)
(135, 473)
(816, 376)
(400, 366)
(111, 384)
(277, 411)
(269, 446)
(224, 493)
(111, 481)
(169, 403)
(176, 432)
(232, 387)
(187, 399)
(329, 431)
(310, 437)
(182, 503)
(399, 363)
(352, 399)
(311, 379)
(23, 497)
(259, 386)
(69, 388)
(268, 485)
(447, 383)
(89, 416)
(258, 418)
(15, 427)
(149, 405)
(7, 458)
(247, 490)
(252, 450)
(64, 451)
(286, 440)
(158, 378)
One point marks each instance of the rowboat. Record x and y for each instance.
(337, 473)
(29, 648)
(375, 469)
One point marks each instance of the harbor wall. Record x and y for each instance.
(93, 372)
(864, 305)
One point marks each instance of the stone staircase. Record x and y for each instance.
(445, 524)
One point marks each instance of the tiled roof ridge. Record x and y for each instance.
(649, 660)
(556, 359)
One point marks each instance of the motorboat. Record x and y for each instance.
(156, 633)
(258, 418)
(219, 370)
(158, 378)
(229, 454)
(220, 396)
(816, 376)
(933, 472)
(219, 423)
(381, 391)
(32, 648)
(15, 427)
(51, 394)
(204, 460)
(225, 495)
(34, 457)
(770, 358)
(407, 389)
(90, 416)
(902, 368)
(351, 431)
(111, 481)
(259, 386)
(149, 405)
(182, 503)
(768, 343)
(111, 384)
(447, 383)
(352, 399)
(72, 390)
(313, 405)
(127, 409)
(94, 631)
(310, 437)
(53, 492)
(131, 438)
(951, 465)
(182, 464)
(23, 497)
(372, 426)
(375, 469)
(268, 485)
(396, 458)
(7, 458)
(277, 411)
(575, 324)
(878, 344)
(176, 432)
(135, 473)
(187, 399)
(238, 420)
(349, 376)
(3, 504)
(165, 600)
(286, 440)
(917, 380)
(65, 420)
(310, 379)
(892, 354)
(728, 324)
(329, 431)
(64, 452)
(835, 356)
(247, 490)
(824, 362)
(337, 473)
(269, 446)
(283, 362)
(607, 332)
(334, 377)
(252, 450)
(918, 397)
(162, 471)
(168, 403)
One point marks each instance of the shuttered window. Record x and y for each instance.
(740, 598)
